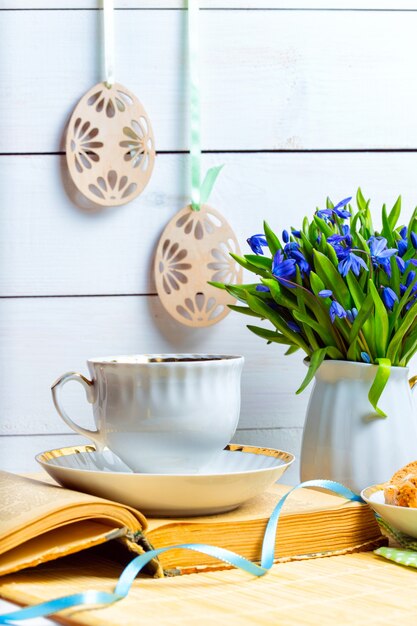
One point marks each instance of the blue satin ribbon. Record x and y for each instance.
(200, 192)
(91, 598)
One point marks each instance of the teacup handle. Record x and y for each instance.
(412, 382)
(89, 390)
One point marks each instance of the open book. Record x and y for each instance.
(41, 521)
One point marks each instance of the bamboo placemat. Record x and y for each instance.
(350, 590)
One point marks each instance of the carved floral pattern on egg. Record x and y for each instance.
(110, 147)
(194, 249)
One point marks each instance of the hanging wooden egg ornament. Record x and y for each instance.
(194, 249)
(196, 244)
(110, 146)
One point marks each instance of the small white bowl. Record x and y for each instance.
(402, 518)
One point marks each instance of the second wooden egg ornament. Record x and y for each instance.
(193, 249)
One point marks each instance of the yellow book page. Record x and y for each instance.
(57, 543)
(23, 501)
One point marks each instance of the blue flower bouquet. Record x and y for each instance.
(337, 288)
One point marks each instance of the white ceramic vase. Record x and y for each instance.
(344, 440)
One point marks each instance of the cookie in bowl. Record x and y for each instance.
(401, 490)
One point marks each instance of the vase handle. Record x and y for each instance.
(412, 382)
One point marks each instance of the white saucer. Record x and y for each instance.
(402, 518)
(237, 474)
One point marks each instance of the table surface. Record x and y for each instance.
(350, 590)
(6, 607)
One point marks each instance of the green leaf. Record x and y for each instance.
(323, 226)
(412, 222)
(262, 262)
(331, 253)
(213, 283)
(316, 283)
(316, 359)
(243, 309)
(409, 348)
(386, 229)
(360, 200)
(395, 343)
(332, 279)
(308, 248)
(403, 301)
(358, 325)
(259, 306)
(281, 295)
(381, 322)
(326, 337)
(270, 335)
(363, 243)
(354, 222)
(394, 214)
(378, 386)
(355, 289)
(240, 291)
(308, 330)
(272, 240)
(249, 266)
(291, 350)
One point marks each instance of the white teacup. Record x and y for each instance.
(160, 413)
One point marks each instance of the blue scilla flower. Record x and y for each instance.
(410, 278)
(351, 261)
(401, 264)
(336, 210)
(336, 310)
(352, 314)
(325, 214)
(262, 288)
(378, 249)
(296, 233)
(365, 357)
(292, 250)
(380, 254)
(285, 236)
(389, 297)
(402, 245)
(344, 237)
(411, 303)
(294, 327)
(283, 268)
(413, 238)
(325, 293)
(403, 232)
(339, 210)
(256, 242)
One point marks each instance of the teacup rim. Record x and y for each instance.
(184, 358)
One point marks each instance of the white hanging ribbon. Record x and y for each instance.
(108, 35)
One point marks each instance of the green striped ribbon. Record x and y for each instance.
(200, 192)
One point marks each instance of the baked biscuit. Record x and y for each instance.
(402, 488)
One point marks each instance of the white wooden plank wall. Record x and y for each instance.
(300, 100)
